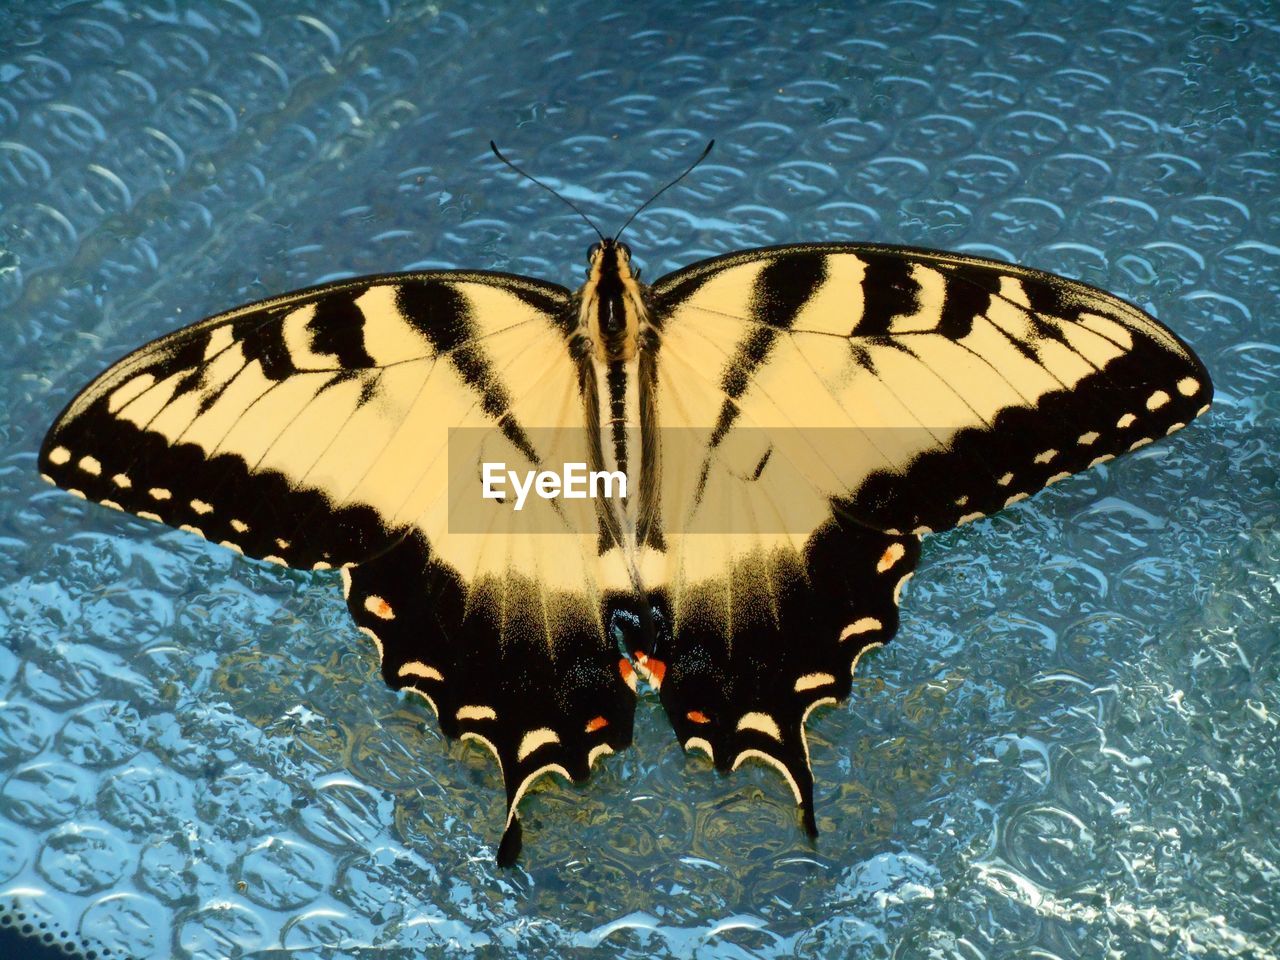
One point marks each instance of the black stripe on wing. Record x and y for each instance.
(534, 679)
(779, 294)
(445, 317)
(889, 291)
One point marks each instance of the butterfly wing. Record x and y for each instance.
(850, 399)
(317, 430)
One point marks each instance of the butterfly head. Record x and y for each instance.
(609, 253)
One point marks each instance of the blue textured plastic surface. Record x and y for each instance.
(1070, 751)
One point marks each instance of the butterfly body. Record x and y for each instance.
(790, 421)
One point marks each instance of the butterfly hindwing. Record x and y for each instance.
(527, 672)
(741, 662)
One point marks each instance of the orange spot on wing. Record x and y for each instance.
(595, 723)
(697, 716)
(628, 672)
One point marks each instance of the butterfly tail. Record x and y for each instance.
(512, 842)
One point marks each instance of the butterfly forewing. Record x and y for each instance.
(299, 429)
(951, 385)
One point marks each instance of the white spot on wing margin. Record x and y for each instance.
(486, 742)
(425, 696)
(811, 681)
(892, 554)
(772, 761)
(804, 734)
(853, 667)
(698, 743)
(527, 782)
(416, 668)
(761, 723)
(375, 604)
(536, 740)
(598, 751)
(374, 637)
(861, 625)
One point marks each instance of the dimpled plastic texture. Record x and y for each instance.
(1070, 751)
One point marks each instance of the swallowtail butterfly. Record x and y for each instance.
(790, 421)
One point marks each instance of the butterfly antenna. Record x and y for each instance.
(702, 156)
(498, 153)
